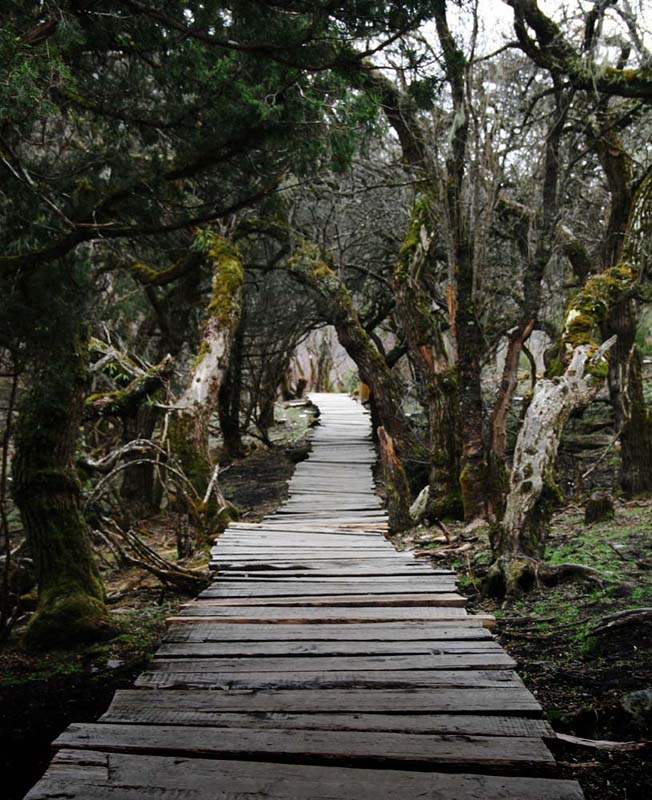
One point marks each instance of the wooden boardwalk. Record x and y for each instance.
(321, 664)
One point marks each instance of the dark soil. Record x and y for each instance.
(258, 484)
(582, 696)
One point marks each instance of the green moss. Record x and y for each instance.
(201, 354)
(228, 278)
(590, 307)
(69, 619)
(421, 217)
(143, 272)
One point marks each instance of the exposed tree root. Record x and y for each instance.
(511, 576)
(632, 616)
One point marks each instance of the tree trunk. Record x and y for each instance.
(508, 384)
(140, 490)
(397, 493)
(189, 421)
(47, 492)
(474, 473)
(428, 355)
(230, 396)
(636, 432)
(518, 542)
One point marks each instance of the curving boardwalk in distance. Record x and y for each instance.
(320, 664)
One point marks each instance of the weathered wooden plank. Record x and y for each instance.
(465, 628)
(483, 660)
(512, 699)
(435, 599)
(89, 775)
(312, 539)
(385, 679)
(275, 614)
(137, 708)
(308, 648)
(309, 584)
(301, 570)
(306, 588)
(452, 751)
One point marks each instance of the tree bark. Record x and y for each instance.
(430, 361)
(230, 396)
(397, 492)
(47, 492)
(518, 542)
(189, 421)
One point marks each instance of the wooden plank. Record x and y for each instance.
(453, 752)
(308, 648)
(435, 599)
(255, 580)
(351, 663)
(384, 679)
(328, 560)
(89, 775)
(137, 708)
(466, 628)
(291, 614)
(308, 588)
(512, 699)
(287, 538)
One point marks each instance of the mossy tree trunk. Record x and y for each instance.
(631, 416)
(427, 353)
(47, 492)
(518, 542)
(189, 421)
(465, 322)
(636, 432)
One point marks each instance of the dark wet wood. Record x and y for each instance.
(318, 657)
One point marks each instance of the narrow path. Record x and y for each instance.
(321, 664)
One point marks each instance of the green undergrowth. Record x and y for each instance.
(619, 549)
(140, 629)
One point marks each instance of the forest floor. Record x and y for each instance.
(580, 680)
(42, 693)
